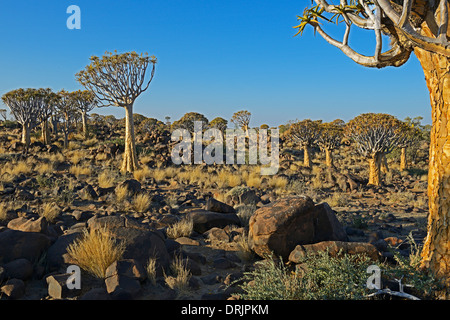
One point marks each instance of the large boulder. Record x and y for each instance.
(280, 226)
(141, 241)
(15, 244)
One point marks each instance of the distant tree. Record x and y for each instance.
(149, 125)
(305, 134)
(117, 80)
(167, 118)
(46, 112)
(375, 135)
(84, 102)
(26, 105)
(3, 114)
(187, 121)
(264, 126)
(65, 106)
(241, 119)
(219, 123)
(411, 136)
(330, 138)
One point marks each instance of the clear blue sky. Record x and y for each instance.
(214, 57)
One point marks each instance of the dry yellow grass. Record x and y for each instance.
(79, 170)
(76, 156)
(43, 168)
(182, 228)
(122, 193)
(142, 174)
(182, 275)
(49, 211)
(95, 251)
(151, 270)
(141, 202)
(15, 168)
(279, 183)
(106, 179)
(4, 207)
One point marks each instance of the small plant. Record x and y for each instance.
(142, 202)
(106, 179)
(49, 211)
(182, 228)
(245, 212)
(95, 251)
(151, 270)
(180, 276)
(80, 171)
(122, 193)
(244, 252)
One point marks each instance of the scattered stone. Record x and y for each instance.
(127, 267)
(15, 244)
(20, 269)
(13, 288)
(204, 220)
(132, 185)
(57, 286)
(217, 234)
(217, 206)
(334, 247)
(187, 241)
(29, 225)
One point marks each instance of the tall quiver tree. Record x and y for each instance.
(411, 135)
(375, 135)
(26, 106)
(84, 102)
(46, 112)
(305, 134)
(330, 137)
(241, 119)
(117, 80)
(412, 26)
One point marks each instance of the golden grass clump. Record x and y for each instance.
(182, 228)
(49, 211)
(141, 202)
(16, 168)
(43, 168)
(106, 179)
(122, 193)
(4, 207)
(95, 251)
(142, 174)
(182, 275)
(79, 170)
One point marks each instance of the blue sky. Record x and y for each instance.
(214, 57)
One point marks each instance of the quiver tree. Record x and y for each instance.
(330, 138)
(65, 106)
(411, 135)
(375, 135)
(45, 114)
(3, 114)
(241, 119)
(117, 80)
(26, 106)
(412, 26)
(83, 101)
(304, 134)
(219, 123)
(187, 121)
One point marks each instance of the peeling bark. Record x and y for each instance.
(329, 158)
(307, 157)
(375, 168)
(403, 160)
(436, 250)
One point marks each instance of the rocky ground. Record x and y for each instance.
(33, 248)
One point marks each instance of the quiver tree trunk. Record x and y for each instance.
(307, 157)
(45, 132)
(384, 164)
(84, 122)
(329, 158)
(436, 249)
(26, 135)
(130, 162)
(403, 160)
(375, 168)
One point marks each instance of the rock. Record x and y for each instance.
(187, 241)
(192, 266)
(127, 267)
(82, 215)
(14, 289)
(223, 263)
(96, 294)
(212, 278)
(279, 226)
(24, 195)
(334, 247)
(204, 220)
(57, 286)
(141, 242)
(29, 225)
(249, 197)
(217, 206)
(16, 244)
(57, 255)
(88, 191)
(217, 234)
(132, 185)
(20, 269)
(121, 287)
(2, 274)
